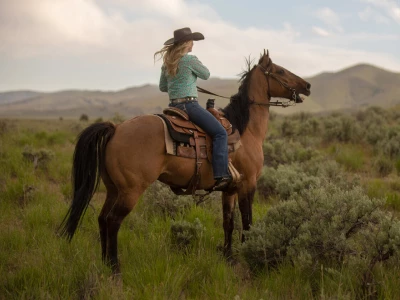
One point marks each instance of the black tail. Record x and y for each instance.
(88, 161)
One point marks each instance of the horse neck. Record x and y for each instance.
(258, 120)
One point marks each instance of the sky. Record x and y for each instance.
(51, 45)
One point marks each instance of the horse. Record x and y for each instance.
(130, 156)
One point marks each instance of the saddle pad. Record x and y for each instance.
(169, 143)
(176, 136)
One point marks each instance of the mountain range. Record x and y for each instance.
(352, 88)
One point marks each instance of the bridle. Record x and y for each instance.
(268, 74)
(290, 102)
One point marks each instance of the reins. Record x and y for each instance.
(268, 74)
(201, 90)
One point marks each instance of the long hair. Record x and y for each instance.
(171, 55)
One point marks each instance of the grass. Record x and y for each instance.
(352, 157)
(37, 264)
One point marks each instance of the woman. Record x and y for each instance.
(178, 77)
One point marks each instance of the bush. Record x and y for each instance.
(391, 145)
(39, 158)
(324, 226)
(84, 117)
(279, 151)
(285, 181)
(288, 128)
(397, 165)
(373, 116)
(375, 134)
(383, 166)
(3, 127)
(311, 127)
(118, 118)
(185, 234)
(160, 200)
(342, 129)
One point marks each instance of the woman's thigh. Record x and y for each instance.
(203, 118)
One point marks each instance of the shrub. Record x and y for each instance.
(397, 166)
(185, 234)
(375, 134)
(266, 185)
(3, 127)
(279, 151)
(324, 226)
(285, 181)
(391, 145)
(288, 128)
(160, 200)
(373, 116)
(39, 158)
(84, 117)
(118, 118)
(343, 129)
(383, 166)
(310, 126)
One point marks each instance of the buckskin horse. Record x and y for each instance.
(128, 157)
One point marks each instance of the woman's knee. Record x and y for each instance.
(221, 133)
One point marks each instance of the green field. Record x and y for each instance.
(325, 220)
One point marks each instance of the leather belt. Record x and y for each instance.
(181, 100)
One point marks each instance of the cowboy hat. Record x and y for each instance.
(183, 35)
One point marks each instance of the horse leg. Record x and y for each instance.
(110, 200)
(113, 213)
(228, 207)
(246, 211)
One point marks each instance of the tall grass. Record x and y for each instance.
(37, 264)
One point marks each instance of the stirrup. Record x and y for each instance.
(222, 183)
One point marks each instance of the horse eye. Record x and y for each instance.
(281, 72)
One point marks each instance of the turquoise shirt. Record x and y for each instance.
(183, 84)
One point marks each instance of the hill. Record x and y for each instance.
(358, 86)
(10, 97)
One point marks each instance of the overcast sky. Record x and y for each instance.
(49, 45)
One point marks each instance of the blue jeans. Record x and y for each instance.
(204, 119)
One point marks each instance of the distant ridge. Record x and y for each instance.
(355, 87)
(15, 96)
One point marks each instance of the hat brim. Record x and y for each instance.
(195, 36)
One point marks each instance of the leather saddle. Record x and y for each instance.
(191, 141)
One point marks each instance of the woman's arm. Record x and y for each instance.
(199, 69)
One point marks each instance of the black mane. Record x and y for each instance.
(237, 111)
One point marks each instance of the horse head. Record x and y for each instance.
(282, 83)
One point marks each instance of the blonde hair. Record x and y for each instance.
(171, 55)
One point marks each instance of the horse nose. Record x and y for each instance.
(308, 87)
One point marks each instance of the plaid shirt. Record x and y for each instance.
(183, 84)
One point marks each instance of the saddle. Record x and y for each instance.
(190, 141)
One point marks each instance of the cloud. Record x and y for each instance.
(48, 26)
(369, 14)
(321, 32)
(330, 18)
(124, 34)
(390, 7)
